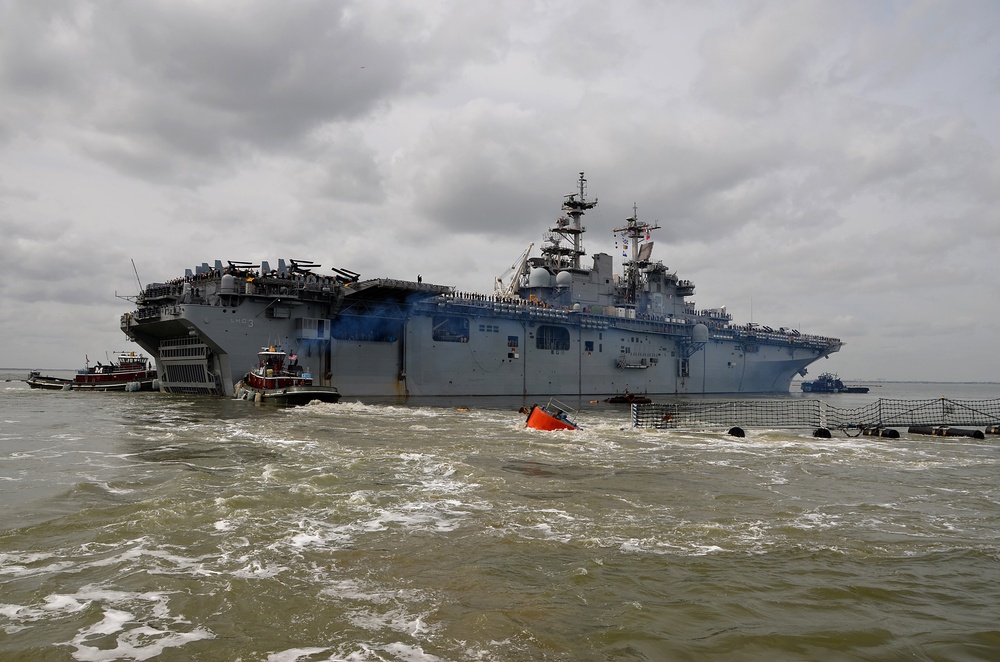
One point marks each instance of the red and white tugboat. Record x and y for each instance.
(281, 380)
(127, 372)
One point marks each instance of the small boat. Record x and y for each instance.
(551, 416)
(628, 398)
(281, 380)
(830, 383)
(127, 372)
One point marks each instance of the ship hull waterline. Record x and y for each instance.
(221, 343)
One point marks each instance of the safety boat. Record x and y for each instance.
(127, 372)
(280, 379)
(552, 416)
(830, 383)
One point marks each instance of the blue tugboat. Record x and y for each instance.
(830, 383)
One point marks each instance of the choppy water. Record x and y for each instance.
(141, 526)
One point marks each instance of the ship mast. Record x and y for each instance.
(568, 227)
(633, 230)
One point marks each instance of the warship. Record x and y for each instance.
(552, 326)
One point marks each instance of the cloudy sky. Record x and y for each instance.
(830, 166)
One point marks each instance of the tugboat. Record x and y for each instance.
(274, 380)
(128, 372)
(551, 416)
(830, 383)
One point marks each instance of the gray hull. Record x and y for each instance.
(503, 350)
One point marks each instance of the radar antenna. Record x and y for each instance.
(574, 207)
(633, 230)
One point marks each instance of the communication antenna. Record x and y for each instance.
(137, 275)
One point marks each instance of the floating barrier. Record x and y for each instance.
(876, 420)
(945, 431)
(877, 431)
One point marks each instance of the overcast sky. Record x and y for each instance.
(829, 166)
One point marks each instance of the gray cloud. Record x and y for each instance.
(835, 164)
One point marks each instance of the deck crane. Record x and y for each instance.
(509, 291)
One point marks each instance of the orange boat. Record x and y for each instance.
(550, 417)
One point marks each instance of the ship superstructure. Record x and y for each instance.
(558, 328)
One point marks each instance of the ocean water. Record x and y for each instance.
(138, 526)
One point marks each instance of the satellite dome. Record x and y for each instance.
(539, 277)
(564, 279)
